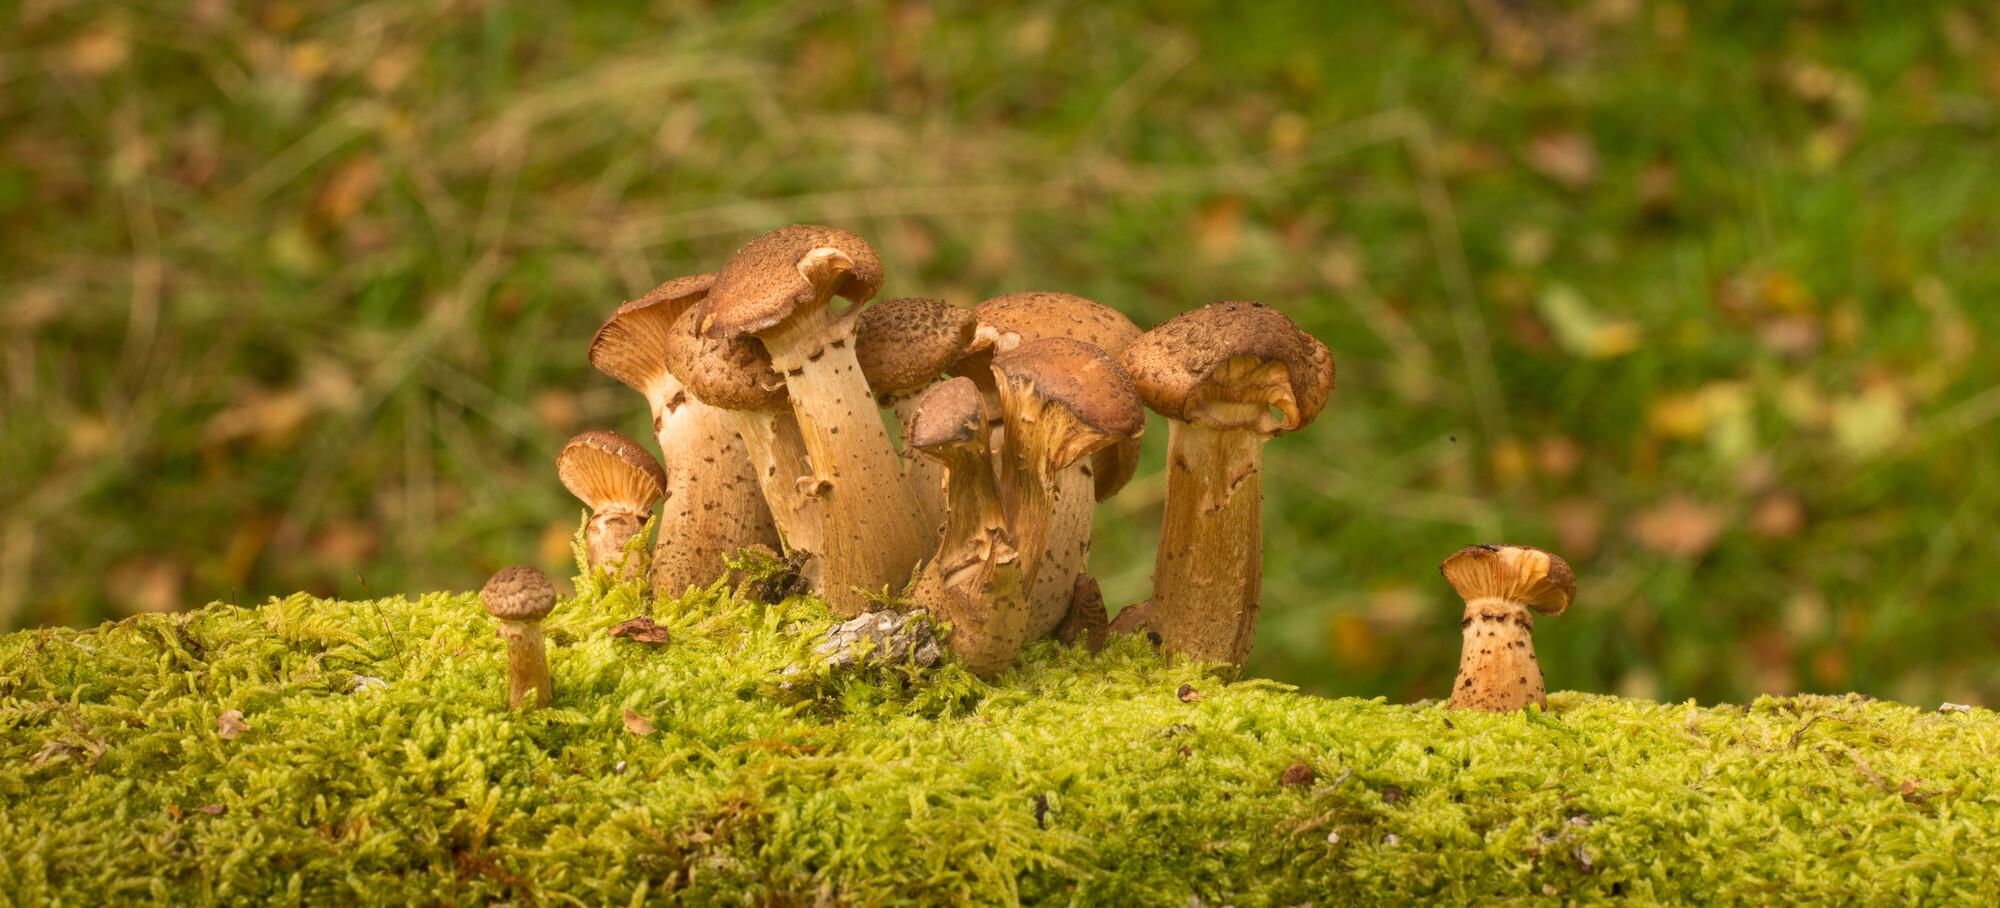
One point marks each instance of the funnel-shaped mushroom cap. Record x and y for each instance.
(608, 469)
(628, 346)
(1529, 576)
(949, 415)
(1227, 365)
(785, 271)
(519, 593)
(1076, 378)
(905, 344)
(732, 373)
(1008, 321)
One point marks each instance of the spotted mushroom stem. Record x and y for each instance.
(1208, 573)
(873, 535)
(925, 477)
(778, 456)
(528, 685)
(1497, 668)
(712, 507)
(1064, 507)
(605, 537)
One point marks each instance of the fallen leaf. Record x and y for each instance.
(641, 630)
(1681, 527)
(230, 724)
(638, 724)
(1188, 694)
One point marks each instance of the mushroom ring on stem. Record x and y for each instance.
(1502, 586)
(778, 289)
(1229, 376)
(712, 503)
(975, 580)
(1062, 400)
(904, 347)
(520, 597)
(620, 481)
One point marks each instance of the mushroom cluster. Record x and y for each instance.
(916, 453)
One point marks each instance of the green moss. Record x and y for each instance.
(1071, 779)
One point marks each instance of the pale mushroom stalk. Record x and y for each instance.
(1503, 586)
(925, 477)
(1228, 376)
(518, 598)
(778, 453)
(777, 288)
(974, 581)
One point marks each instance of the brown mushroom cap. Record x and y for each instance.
(950, 413)
(1081, 379)
(627, 346)
(518, 593)
(1006, 322)
(731, 373)
(782, 271)
(606, 468)
(1532, 577)
(905, 344)
(1224, 353)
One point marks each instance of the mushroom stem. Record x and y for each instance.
(1497, 668)
(711, 506)
(527, 665)
(925, 477)
(778, 455)
(1207, 576)
(872, 533)
(1052, 524)
(606, 535)
(976, 582)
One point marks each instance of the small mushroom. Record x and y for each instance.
(1503, 585)
(1228, 376)
(975, 580)
(620, 481)
(778, 289)
(735, 375)
(712, 505)
(520, 597)
(904, 346)
(1062, 400)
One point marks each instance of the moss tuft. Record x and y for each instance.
(380, 765)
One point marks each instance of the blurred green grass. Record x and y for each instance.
(1699, 296)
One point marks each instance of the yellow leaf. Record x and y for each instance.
(637, 724)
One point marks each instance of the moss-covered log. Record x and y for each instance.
(375, 760)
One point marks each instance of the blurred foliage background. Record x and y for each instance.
(1701, 296)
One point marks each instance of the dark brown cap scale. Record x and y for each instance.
(785, 270)
(731, 373)
(905, 344)
(1232, 353)
(518, 593)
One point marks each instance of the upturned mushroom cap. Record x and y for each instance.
(784, 271)
(518, 593)
(905, 344)
(627, 346)
(1080, 379)
(732, 373)
(1232, 353)
(951, 413)
(606, 468)
(1530, 576)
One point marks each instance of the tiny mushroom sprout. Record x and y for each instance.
(1227, 376)
(1006, 322)
(975, 580)
(904, 346)
(735, 375)
(712, 505)
(520, 597)
(779, 288)
(1503, 585)
(620, 481)
(1062, 400)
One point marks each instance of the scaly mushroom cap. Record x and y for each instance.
(1226, 365)
(518, 593)
(950, 414)
(905, 344)
(606, 468)
(628, 346)
(784, 271)
(1078, 379)
(1516, 573)
(732, 373)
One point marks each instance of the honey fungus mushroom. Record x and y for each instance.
(712, 503)
(904, 346)
(1504, 586)
(975, 579)
(519, 597)
(779, 288)
(1228, 376)
(620, 481)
